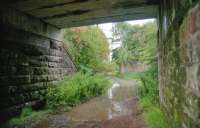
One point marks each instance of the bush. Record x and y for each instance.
(153, 116)
(76, 89)
(149, 98)
(88, 47)
(148, 93)
(27, 114)
(149, 84)
(27, 111)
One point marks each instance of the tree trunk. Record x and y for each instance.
(122, 68)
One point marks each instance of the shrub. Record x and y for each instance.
(149, 99)
(27, 114)
(149, 84)
(71, 91)
(76, 89)
(89, 48)
(148, 93)
(153, 116)
(27, 111)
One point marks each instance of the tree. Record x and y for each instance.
(128, 36)
(138, 42)
(89, 48)
(148, 51)
(122, 56)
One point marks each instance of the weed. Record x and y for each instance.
(76, 89)
(27, 114)
(153, 116)
(149, 97)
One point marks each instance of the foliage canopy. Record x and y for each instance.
(89, 48)
(138, 41)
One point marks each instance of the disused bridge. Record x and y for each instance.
(32, 54)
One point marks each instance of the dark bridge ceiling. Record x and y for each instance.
(71, 13)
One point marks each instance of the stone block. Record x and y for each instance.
(31, 57)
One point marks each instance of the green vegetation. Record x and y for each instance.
(76, 89)
(69, 92)
(140, 42)
(129, 36)
(27, 114)
(149, 98)
(148, 87)
(122, 56)
(89, 48)
(153, 116)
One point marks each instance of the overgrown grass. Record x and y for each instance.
(153, 116)
(76, 89)
(71, 91)
(148, 93)
(27, 114)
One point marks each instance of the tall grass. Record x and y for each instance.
(71, 91)
(76, 89)
(153, 116)
(148, 93)
(27, 115)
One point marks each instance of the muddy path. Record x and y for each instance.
(115, 109)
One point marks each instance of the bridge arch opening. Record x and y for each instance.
(32, 53)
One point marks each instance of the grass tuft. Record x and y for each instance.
(72, 91)
(76, 89)
(148, 93)
(153, 116)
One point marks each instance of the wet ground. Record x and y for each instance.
(115, 109)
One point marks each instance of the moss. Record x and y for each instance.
(174, 91)
(180, 13)
(198, 106)
(198, 71)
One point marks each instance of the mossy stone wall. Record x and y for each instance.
(179, 62)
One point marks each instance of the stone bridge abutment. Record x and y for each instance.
(32, 57)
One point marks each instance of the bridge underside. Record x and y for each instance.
(73, 13)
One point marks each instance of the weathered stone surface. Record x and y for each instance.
(12, 17)
(31, 59)
(73, 13)
(179, 61)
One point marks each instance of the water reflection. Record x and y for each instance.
(116, 102)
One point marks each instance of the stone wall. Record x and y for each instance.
(179, 62)
(32, 57)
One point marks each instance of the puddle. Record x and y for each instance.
(115, 109)
(112, 104)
